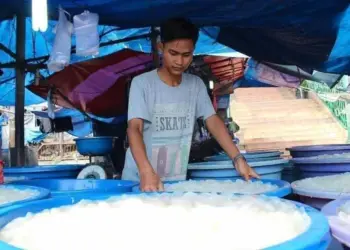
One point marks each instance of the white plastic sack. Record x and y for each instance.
(61, 50)
(50, 105)
(86, 31)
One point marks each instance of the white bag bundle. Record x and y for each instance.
(61, 50)
(86, 31)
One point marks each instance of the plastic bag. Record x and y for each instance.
(86, 32)
(50, 105)
(61, 50)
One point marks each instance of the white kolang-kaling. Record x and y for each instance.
(227, 186)
(344, 212)
(339, 183)
(11, 194)
(167, 221)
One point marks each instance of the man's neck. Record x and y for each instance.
(168, 78)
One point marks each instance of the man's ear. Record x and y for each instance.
(160, 47)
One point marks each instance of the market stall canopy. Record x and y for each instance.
(39, 45)
(310, 34)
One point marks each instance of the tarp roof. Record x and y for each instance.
(311, 34)
(40, 44)
(295, 32)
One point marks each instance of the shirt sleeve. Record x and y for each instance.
(204, 106)
(138, 106)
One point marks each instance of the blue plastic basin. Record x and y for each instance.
(95, 146)
(316, 174)
(274, 176)
(66, 187)
(42, 172)
(317, 237)
(307, 151)
(228, 164)
(316, 198)
(283, 190)
(225, 169)
(233, 173)
(271, 155)
(43, 193)
(340, 230)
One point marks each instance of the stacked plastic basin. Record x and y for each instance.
(316, 237)
(71, 187)
(319, 160)
(340, 228)
(315, 161)
(42, 172)
(269, 165)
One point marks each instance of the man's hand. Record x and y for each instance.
(150, 182)
(245, 170)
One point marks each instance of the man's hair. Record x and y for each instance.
(178, 28)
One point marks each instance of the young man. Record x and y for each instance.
(163, 107)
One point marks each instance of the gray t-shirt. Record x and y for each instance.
(169, 114)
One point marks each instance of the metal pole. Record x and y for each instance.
(20, 80)
(154, 47)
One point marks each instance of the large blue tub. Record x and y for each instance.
(69, 187)
(42, 172)
(43, 193)
(307, 151)
(340, 229)
(253, 156)
(316, 238)
(283, 190)
(316, 198)
(271, 169)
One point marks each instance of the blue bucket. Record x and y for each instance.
(42, 172)
(66, 187)
(43, 193)
(317, 237)
(283, 190)
(95, 146)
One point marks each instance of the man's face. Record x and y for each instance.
(177, 55)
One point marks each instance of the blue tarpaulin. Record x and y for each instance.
(310, 34)
(40, 44)
(284, 32)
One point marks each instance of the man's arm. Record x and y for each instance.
(150, 182)
(138, 113)
(218, 129)
(137, 146)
